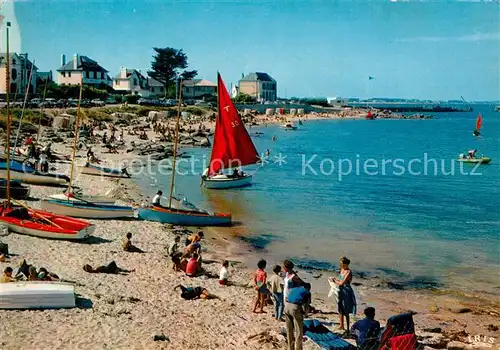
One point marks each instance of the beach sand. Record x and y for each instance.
(126, 311)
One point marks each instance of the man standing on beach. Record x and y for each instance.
(297, 298)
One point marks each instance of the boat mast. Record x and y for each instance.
(7, 146)
(77, 129)
(179, 104)
(24, 105)
(41, 111)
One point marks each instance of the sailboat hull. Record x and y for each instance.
(17, 190)
(78, 198)
(224, 183)
(79, 209)
(102, 171)
(34, 178)
(184, 217)
(67, 228)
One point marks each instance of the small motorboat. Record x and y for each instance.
(17, 189)
(29, 175)
(88, 210)
(93, 169)
(40, 223)
(289, 126)
(480, 160)
(37, 295)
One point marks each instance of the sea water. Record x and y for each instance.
(422, 218)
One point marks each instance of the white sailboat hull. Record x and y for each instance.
(224, 183)
(33, 179)
(87, 211)
(36, 295)
(93, 199)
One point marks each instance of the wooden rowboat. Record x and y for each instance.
(37, 295)
(39, 223)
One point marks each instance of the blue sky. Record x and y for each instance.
(435, 50)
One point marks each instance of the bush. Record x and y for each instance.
(244, 98)
(98, 115)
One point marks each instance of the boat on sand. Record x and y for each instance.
(37, 295)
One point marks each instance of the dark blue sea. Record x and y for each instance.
(407, 210)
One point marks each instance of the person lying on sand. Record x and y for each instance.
(128, 246)
(7, 275)
(191, 293)
(44, 275)
(111, 268)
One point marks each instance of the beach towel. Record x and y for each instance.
(334, 291)
(323, 337)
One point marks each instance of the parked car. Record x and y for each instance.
(97, 102)
(204, 104)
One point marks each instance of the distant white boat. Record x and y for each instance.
(37, 295)
(289, 126)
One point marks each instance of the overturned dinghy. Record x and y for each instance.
(37, 295)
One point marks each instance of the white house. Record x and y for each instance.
(82, 68)
(131, 81)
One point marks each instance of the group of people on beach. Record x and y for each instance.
(27, 272)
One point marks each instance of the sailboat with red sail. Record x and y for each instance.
(233, 147)
(479, 123)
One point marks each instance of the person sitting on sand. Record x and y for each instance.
(224, 273)
(7, 275)
(157, 198)
(259, 279)
(179, 264)
(193, 267)
(173, 248)
(44, 275)
(24, 270)
(111, 268)
(128, 246)
(366, 331)
(33, 275)
(191, 293)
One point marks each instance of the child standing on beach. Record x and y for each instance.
(259, 279)
(276, 284)
(224, 273)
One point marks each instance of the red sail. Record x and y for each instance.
(232, 144)
(479, 122)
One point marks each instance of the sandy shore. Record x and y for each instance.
(126, 311)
